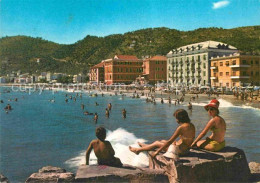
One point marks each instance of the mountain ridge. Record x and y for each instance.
(21, 52)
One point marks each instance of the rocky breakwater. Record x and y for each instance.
(51, 174)
(228, 165)
(102, 173)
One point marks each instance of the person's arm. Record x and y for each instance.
(204, 132)
(175, 135)
(111, 150)
(90, 147)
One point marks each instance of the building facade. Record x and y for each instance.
(97, 73)
(122, 69)
(190, 65)
(235, 71)
(155, 69)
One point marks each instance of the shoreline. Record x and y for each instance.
(147, 94)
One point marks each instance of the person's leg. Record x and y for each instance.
(143, 144)
(149, 147)
(205, 144)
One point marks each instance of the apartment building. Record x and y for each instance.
(97, 73)
(122, 69)
(155, 69)
(190, 65)
(235, 71)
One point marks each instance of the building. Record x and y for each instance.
(155, 69)
(3, 80)
(122, 69)
(78, 78)
(235, 71)
(96, 74)
(190, 65)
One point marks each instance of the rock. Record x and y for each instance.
(255, 171)
(102, 173)
(51, 174)
(3, 179)
(228, 165)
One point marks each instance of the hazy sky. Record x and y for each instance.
(67, 21)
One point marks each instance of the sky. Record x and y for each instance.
(68, 21)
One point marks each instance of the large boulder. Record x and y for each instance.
(228, 165)
(102, 173)
(3, 179)
(51, 174)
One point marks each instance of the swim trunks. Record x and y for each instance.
(115, 162)
(172, 152)
(216, 145)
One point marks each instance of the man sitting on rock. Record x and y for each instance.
(103, 150)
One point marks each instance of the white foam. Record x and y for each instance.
(120, 140)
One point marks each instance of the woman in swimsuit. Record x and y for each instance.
(217, 125)
(185, 131)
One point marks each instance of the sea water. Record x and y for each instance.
(38, 132)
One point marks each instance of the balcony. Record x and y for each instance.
(214, 67)
(214, 77)
(239, 77)
(240, 65)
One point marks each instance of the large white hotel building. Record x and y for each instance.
(190, 65)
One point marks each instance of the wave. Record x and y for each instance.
(120, 140)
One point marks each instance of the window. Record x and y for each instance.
(204, 57)
(252, 62)
(221, 73)
(252, 73)
(244, 62)
(257, 62)
(204, 65)
(227, 63)
(244, 73)
(227, 73)
(233, 62)
(204, 73)
(234, 73)
(126, 69)
(215, 64)
(257, 73)
(221, 64)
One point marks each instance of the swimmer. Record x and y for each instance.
(96, 104)
(162, 101)
(96, 117)
(8, 107)
(124, 113)
(107, 113)
(66, 100)
(1, 101)
(82, 106)
(109, 106)
(190, 106)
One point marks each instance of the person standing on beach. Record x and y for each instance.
(217, 125)
(190, 106)
(162, 101)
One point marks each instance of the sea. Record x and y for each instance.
(44, 130)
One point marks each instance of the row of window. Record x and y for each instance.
(128, 63)
(129, 70)
(159, 76)
(159, 62)
(158, 69)
(244, 73)
(188, 59)
(234, 62)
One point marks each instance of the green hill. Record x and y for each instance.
(21, 52)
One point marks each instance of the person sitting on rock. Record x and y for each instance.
(103, 150)
(186, 132)
(217, 125)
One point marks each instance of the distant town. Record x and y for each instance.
(203, 64)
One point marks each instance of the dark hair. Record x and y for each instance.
(101, 133)
(215, 110)
(182, 116)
